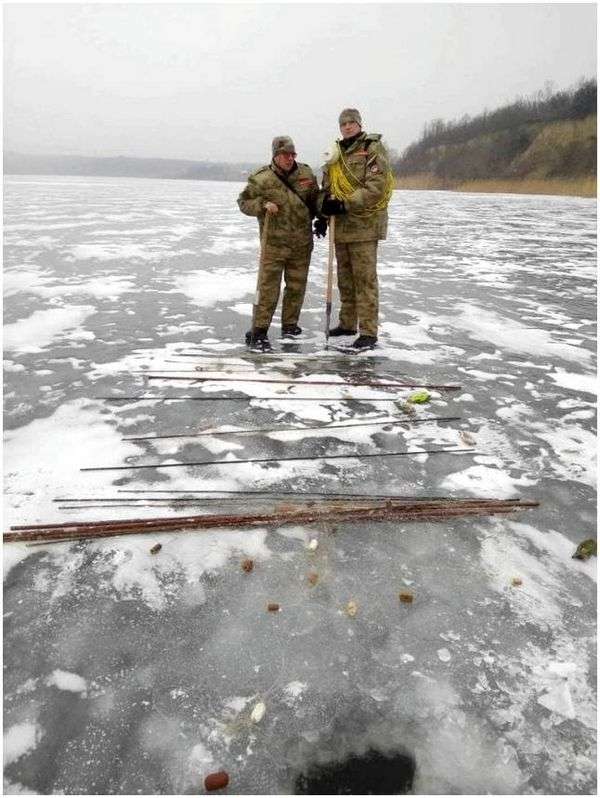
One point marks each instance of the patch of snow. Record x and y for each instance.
(44, 327)
(581, 383)
(65, 680)
(20, 739)
(481, 480)
(206, 289)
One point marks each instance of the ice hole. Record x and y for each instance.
(373, 773)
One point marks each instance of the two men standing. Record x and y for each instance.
(356, 189)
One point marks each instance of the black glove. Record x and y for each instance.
(320, 227)
(332, 207)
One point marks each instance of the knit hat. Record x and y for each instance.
(350, 115)
(283, 144)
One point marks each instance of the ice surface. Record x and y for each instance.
(128, 672)
(511, 336)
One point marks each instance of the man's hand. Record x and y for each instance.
(332, 207)
(320, 227)
(270, 207)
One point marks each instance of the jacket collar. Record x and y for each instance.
(280, 172)
(348, 144)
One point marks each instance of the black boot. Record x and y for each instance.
(258, 340)
(335, 331)
(365, 342)
(290, 331)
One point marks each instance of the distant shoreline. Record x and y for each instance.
(130, 177)
(16, 163)
(560, 187)
(572, 187)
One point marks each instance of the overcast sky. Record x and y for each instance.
(218, 81)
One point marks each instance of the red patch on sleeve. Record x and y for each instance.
(306, 181)
(360, 152)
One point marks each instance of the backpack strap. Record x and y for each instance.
(293, 190)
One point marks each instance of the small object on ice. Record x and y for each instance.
(313, 578)
(585, 550)
(407, 408)
(258, 712)
(156, 548)
(406, 597)
(419, 397)
(558, 699)
(516, 581)
(216, 781)
(313, 544)
(247, 566)
(273, 607)
(444, 654)
(467, 438)
(351, 608)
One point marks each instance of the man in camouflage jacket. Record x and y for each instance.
(287, 191)
(358, 228)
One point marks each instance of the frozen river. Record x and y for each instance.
(127, 673)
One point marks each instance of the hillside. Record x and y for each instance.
(21, 164)
(541, 145)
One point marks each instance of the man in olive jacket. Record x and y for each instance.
(361, 221)
(287, 191)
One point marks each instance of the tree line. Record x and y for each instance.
(491, 143)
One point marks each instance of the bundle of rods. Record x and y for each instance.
(330, 510)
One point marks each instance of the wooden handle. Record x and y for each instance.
(331, 258)
(329, 288)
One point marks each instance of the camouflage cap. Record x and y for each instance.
(350, 115)
(282, 144)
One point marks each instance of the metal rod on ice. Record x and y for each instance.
(283, 459)
(323, 428)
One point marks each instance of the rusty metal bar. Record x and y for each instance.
(169, 520)
(86, 504)
(383, 512)
(386, 504)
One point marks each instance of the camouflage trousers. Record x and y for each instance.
(293, 263)
(357, 282)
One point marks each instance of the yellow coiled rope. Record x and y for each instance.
(343, 184)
